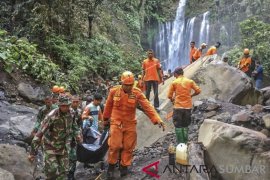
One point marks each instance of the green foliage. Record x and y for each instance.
(255, 35)
(19, 53)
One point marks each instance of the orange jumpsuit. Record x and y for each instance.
(121, 109)
(197, 54)
(212, 50)
(245, 63)
(181, 88)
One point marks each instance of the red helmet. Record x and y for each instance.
(55, 89)
(127, 78)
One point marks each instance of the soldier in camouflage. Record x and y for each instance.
(72, 153)
(56, 132)
(43, 111)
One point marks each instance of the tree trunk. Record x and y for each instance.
(90, 24)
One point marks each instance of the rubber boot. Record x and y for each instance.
(110, 172)
(185, 134)
(123, 170)
(179, 135)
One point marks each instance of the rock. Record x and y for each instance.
(209, 114)
(233, 147)
(266, 132)
(266, 119)
(224, 117)
(6, 175)
(30, 93)
(16, 121)
(212, 107)
(242, 116)
(197, 103)
(257, 108)
(267, 102)
(14, 159)
(266, 93)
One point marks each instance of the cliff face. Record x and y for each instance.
(225, 16)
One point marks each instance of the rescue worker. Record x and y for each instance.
(180, 95)
(213, 49)
(151, 76)
(192, 51)
(140, 84)
(120, 108)
(258, 75)
(55, 133)
(75, 102)
(55, 99)
(43, 111)
(92, 113)
(62, 90)
(245, 63)
(198, 53)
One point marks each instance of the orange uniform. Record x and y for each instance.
(244, 64)
(191, 52)
(121, 109)
(181, 87)
(212, 50)
(151, 68)
(140, 85)
(197, 54)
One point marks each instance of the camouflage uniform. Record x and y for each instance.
(43, 111)
(56, 132)
(72, 153)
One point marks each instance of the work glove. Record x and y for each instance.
(161, 124)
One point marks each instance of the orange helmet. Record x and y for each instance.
(127, 78)
(61, 89)
(55, 89)
(246, 51)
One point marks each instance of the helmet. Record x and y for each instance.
(246, 51)
(203, 45)
(55, 89)
(127, 78)
(64, 100)
(61, 89)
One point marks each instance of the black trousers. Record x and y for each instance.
(181, 118)
(148, 85)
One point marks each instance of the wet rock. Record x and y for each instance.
(32, 94)
(242, 116)
(212, 107)
(6, 175)
(267, 102)
(257, 108)
(266, 119)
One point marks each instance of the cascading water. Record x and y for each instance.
(172, 42)
(204, 30)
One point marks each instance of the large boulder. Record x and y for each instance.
(236, 152)
(16, 121)
(6, 175)
(14, 159)
(29, 93)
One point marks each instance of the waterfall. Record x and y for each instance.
(204, 30)
(173, 39)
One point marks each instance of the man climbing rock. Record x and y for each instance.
(43, 111)
(198, 53)
(192, 51)
(55, 133)
(245, 63)
(120, 108)
(180, 95)
(151, 76)
(213, 49)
